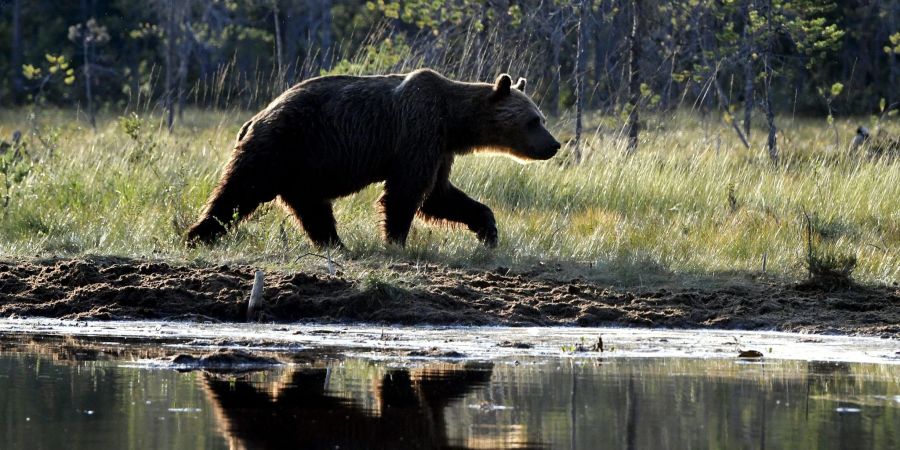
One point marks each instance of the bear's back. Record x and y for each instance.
(336, 128)
(348, 88)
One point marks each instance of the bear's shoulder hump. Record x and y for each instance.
(420, 78)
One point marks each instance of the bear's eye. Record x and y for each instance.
(534, 123)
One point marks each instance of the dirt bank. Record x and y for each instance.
(116, 288)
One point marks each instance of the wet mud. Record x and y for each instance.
(228, 360)
(122, 289)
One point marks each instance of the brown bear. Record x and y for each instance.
(331, 136)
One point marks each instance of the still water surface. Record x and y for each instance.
(65, 398)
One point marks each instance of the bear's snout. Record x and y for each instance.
(550, 151)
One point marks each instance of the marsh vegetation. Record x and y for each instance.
(741, 160)
(693, 200)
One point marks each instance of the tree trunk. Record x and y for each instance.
(670, 52)
(183, 58)
(631, 417)
(583, 33)
(15, 58)
(726, 105)
(134, 79)
(293, 39)
(279, 57)
(325, 33)
(555, 76)
(892, 61)
(748, 70)
(771, 144)
(721, 96)
(597, 79)
(170, 64)
(748, 96)
(185, 49)
(86, 47)
(634, 78)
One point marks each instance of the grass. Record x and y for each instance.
(692, 200)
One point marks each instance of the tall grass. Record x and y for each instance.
(691, 200)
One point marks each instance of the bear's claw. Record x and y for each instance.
(488, 236)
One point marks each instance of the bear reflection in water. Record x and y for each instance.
(409, 411)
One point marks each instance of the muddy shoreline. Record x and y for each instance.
(154, 344)
(105, 288)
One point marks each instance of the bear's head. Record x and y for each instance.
(513, 124)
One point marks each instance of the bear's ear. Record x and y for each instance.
(520, 85)
(502, 85)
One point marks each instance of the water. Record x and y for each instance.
(67, 394)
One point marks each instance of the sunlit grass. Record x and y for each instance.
(692, 200)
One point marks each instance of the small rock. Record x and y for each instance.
(510, 344)
(225, 359)
(434, 352)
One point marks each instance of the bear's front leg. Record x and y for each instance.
(448, 203)
(316, 217)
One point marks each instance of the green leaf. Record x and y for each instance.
(30, 72)
(836, 89)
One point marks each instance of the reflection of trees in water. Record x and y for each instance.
(618, 403)
(73, 350)
(692, 403)
(828, 368)
(305, 413)
(67, 396)
(844, 391)
(824, 379)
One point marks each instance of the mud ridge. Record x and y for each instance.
(104, 288)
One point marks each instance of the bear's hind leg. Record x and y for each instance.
(317, 218)
(239, 192)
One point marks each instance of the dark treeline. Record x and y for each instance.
(740, 57)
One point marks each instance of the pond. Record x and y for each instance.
(72, 393)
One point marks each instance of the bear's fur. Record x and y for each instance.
(329, 137)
